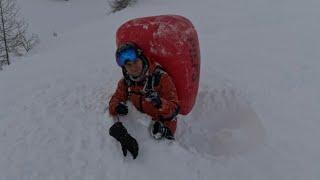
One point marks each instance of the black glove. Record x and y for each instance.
(154, 98)
(128, 143)
(122, 109)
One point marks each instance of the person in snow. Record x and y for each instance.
(151, 91)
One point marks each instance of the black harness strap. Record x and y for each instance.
(151, 82)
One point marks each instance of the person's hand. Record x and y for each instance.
(128, 143)
(154, 98)
(122, 109)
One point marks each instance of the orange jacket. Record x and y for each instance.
(165, 88)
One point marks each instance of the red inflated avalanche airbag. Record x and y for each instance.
(172, 41)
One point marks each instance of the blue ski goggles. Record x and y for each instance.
(126, 55)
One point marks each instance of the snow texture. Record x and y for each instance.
(256, 115)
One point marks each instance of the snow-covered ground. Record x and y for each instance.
(257, 111)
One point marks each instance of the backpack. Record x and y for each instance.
(172, 40)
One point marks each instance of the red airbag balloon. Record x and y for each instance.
(172, 41)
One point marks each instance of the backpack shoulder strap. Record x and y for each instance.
(153, 80)
(157, 74)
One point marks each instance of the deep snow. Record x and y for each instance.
(256, 115)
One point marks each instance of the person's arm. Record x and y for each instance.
(168, 96)
(120, 95)
(117, 130)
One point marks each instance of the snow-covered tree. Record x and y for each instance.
(13, 32)
(117, 5)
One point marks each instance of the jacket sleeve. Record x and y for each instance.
(120, 95)
(169, 97)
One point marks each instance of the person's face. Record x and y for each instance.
(134, 68)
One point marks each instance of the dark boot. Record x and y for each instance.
(158, 131)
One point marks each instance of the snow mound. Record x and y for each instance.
(221, 124)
